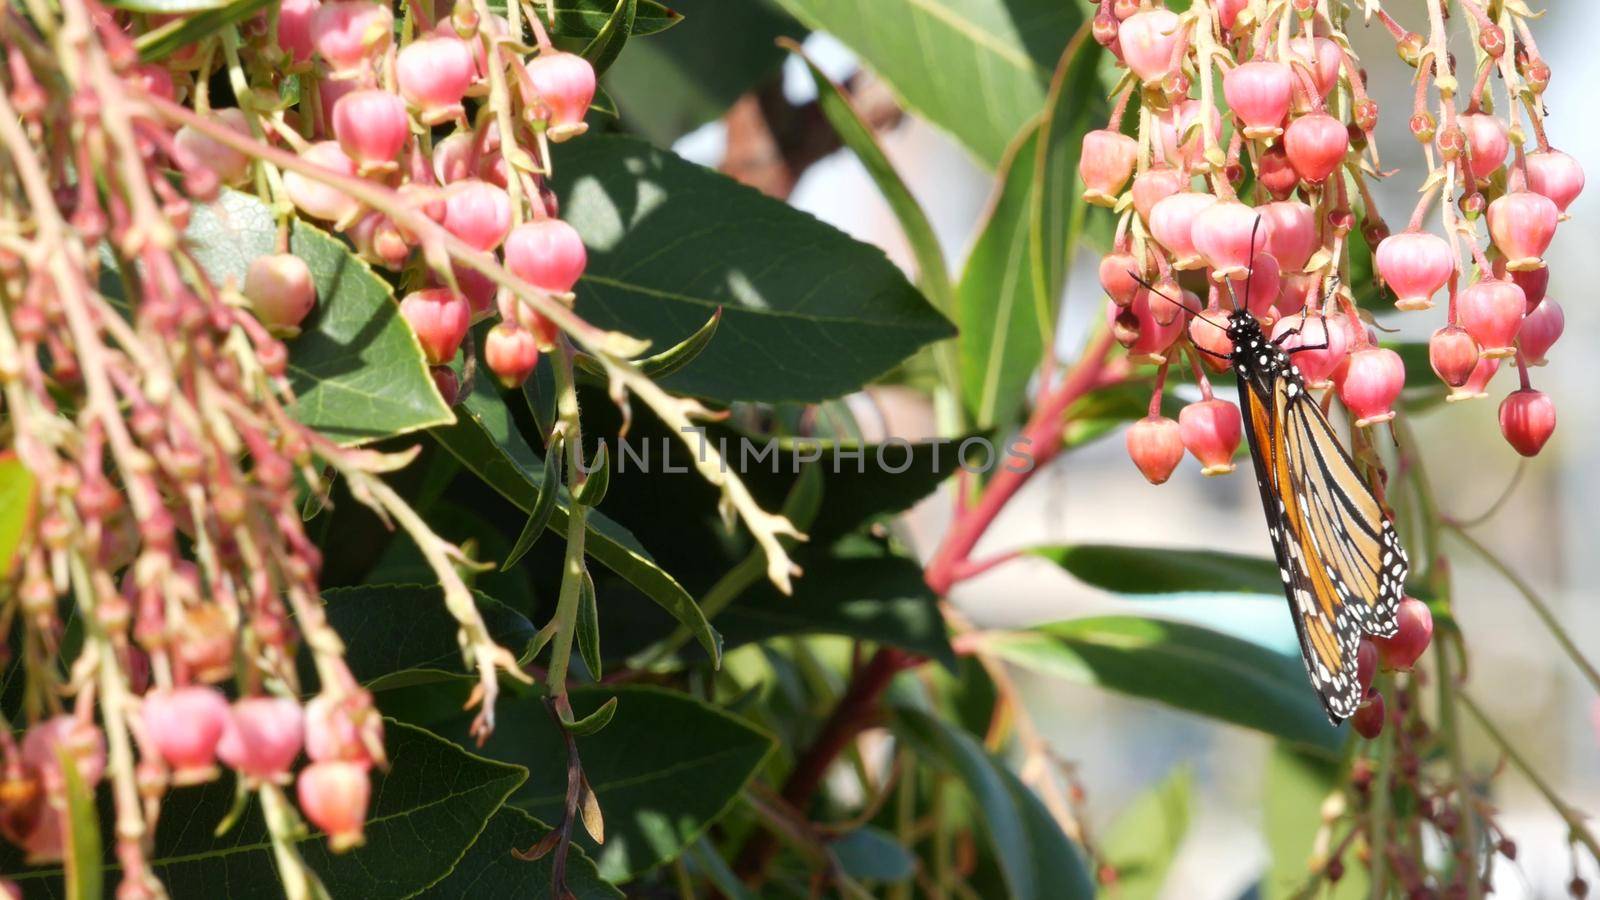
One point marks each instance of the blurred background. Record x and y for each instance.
(1545, 530)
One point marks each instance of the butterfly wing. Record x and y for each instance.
(1342, 567)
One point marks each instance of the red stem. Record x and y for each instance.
(1042, 436)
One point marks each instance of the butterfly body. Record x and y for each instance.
(1342, 565)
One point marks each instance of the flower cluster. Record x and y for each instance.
(167, 471)
(1247, 184)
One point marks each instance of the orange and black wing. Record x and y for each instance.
(1342, 565)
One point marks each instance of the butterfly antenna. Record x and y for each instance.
(1194, 311)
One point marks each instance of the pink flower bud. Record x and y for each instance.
(511, 353)
(478, 288)
(81, 741)
(1522, 225)
(455, 158)
(1149, 42)
(1540, 331)
(1208, 332)
(372, 128)
(1527, 419)
(1316, 366)
(1172, 224)
(349, 33)
(1402, 651)
(1369, 716)
(312, 197)
(1491, 311)
(434, 73)
(1371, 382)
(1477, 386)
(1555, 175)
(478, 213)
(548, 254)
(1259, 286)
(334, 796)
(1316, 145)
(1182, 142)
(1211, 430)
(280, 290)
(379, 241)
(1275, 173)
(1295, 291)
(1453, 354)
(1226, 234)
(1488, 142)
(185, 724)
(1318, 57)
(1156, 447)
(1292, 237)
(1228, 12)
(564, 86)
(1415, 265)
(229, 165)
(1106, 164)
(1366, 663)
(1535, 283)
(440, 317)
(1119, 277)
(295, 19)
(342, 727)
(1154, 185)
(1259, 94)
(154, 80)
(262, 737)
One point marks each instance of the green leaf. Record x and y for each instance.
(594, 721)
(1145, 838)
(1104, 410)
(18, 504)
(881, 599)
(167, 7)
(664, 769)
(684, 352)
(356, 368)
(486, 441)
(1184, 666)
(607, 44)
(593, 489)
(589, 628)
(179, 33)
(669, 242)
(1166, 570)
(543, 506)
(1035, 857)
(83, 875)
(674, 83)
(396, 632)
(1007, 298)
(583, 19)
(933, 272)
(872, 854)
(490, 870)
(977, 68)
(426, 811)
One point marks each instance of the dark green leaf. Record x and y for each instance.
(669, 242)
(872, 854)
(426, 811)
(607, 44)
(180, 33)
(490, 870)
(583, 19)
(874, 598)
(1145, 838)
(1007, 297)
(1104, 410)
(593, 489)
(18, 493)
(856, 134)
(403, 631)
(594, 721)
(668, 86)
(356, 368)
(978, 68)
(664, 769)
(543, 506)
(1185, 666)
(588, 627)
(1035, 857)
(486, 441)
(684, 352)
(1166, 570)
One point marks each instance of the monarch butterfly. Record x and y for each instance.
(1342, 565)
